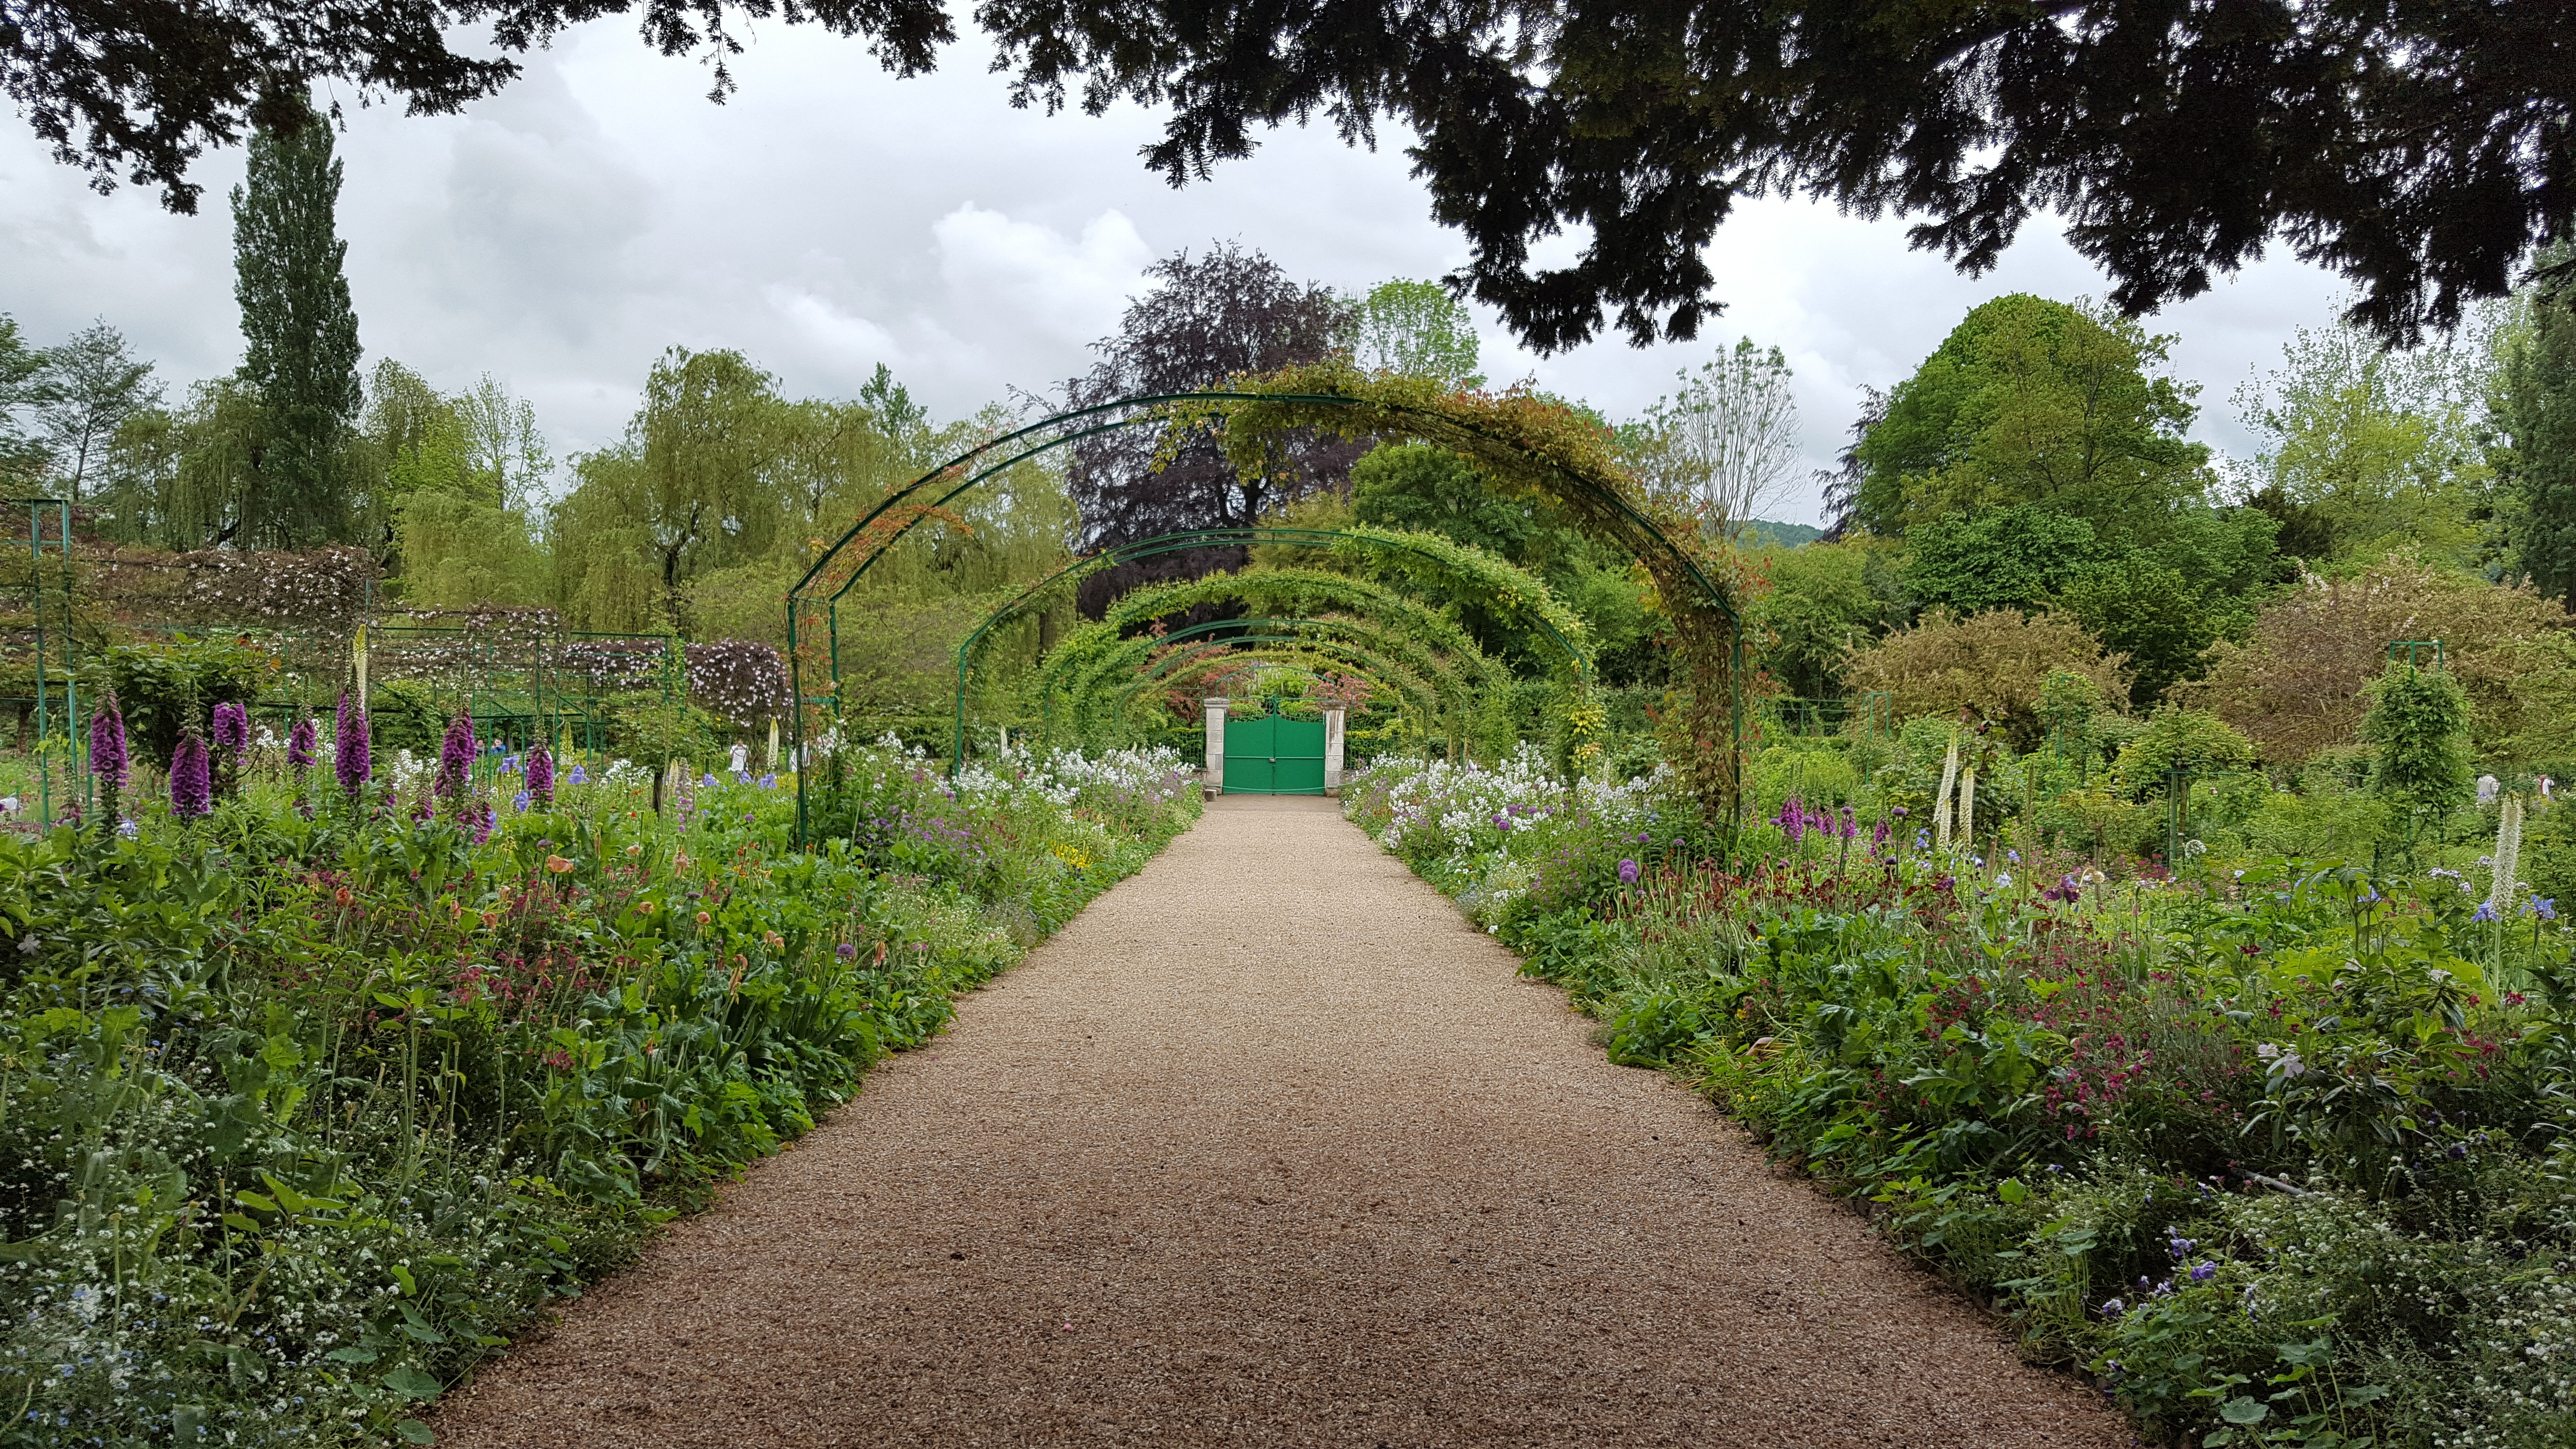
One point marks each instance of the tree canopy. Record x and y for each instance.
(2419, 147)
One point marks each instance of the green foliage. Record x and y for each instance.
(2148, 612)
(300, 356)
(2537, 407)
(1418, 329)
(1821, 605)
(2011, 557)
(2419, 724)
(2030, 401)
(2379, 446)
(163, 688)
(2187, 739)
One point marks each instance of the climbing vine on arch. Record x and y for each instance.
(1531, 447)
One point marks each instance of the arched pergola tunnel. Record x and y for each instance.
(1523, 443)
(1514, 594)
(1431, 686)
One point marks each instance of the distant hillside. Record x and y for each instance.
(1762, 533)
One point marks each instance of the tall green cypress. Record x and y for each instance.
(2540, 412)
(302, 337)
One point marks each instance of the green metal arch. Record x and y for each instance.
(1409, 685)
(1439, 675)
(1341, 655)
(1577, 660)
(1428, 657)
(974, 466)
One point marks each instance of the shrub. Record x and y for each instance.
(1994, 663)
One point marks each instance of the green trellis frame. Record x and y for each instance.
(900, 511)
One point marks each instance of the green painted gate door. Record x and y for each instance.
(1274, 756)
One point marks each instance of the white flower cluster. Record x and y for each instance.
(1448, 809)
(1064, 777)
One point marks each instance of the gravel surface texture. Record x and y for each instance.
(1270, 1147)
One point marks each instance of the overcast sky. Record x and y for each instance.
(830, 218)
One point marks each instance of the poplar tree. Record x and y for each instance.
(301, 335)
(2540, 413)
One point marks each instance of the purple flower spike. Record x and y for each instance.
(350, 756)
(455, 759)
(541, 775)
(192, 785)
(483, 816)
(232, 728)
(107, 743)
(299, 745)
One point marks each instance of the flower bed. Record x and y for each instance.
(2273, 1154)
(304, 1115)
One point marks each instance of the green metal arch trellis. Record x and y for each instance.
(1577, 660)
(899, 512)
(1428, 690)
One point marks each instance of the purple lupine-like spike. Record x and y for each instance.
(107, 743)
(232, 728)
(541, 775)
(350, 756)
(484, 816)
(299, 745)
(455, 759)
(192, 785)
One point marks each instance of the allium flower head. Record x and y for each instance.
(192, 785)
(350, 757)
(232, 728)
(1627, 872)
(107, 742)
(299, 745)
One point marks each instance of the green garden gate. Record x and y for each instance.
(1274, 756)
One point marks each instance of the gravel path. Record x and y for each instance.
(1270, 1147)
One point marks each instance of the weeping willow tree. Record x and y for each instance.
(723, 492)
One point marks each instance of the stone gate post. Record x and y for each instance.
(1214, 783)
(1333, 752)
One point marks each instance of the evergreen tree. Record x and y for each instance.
(302, 353)
(2540, 412)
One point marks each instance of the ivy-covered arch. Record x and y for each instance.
(1459, 675)
(1423, 680)
(1294, 650)
(1425, 559)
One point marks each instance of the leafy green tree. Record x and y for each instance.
(1821, 605)
(302, 338)
(1418, 486)
(22, 370)
(2014, 557)
(2419, 723)
(2382, 447)
(2538, 409)
(2030, 401)
(2148, 611)
(463, 473)
(1417, 329)
(92, 385)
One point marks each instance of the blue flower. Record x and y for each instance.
(2204, 1272)
(2486, 911)
(2545, 907)
(520, 800)
(769, 781)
